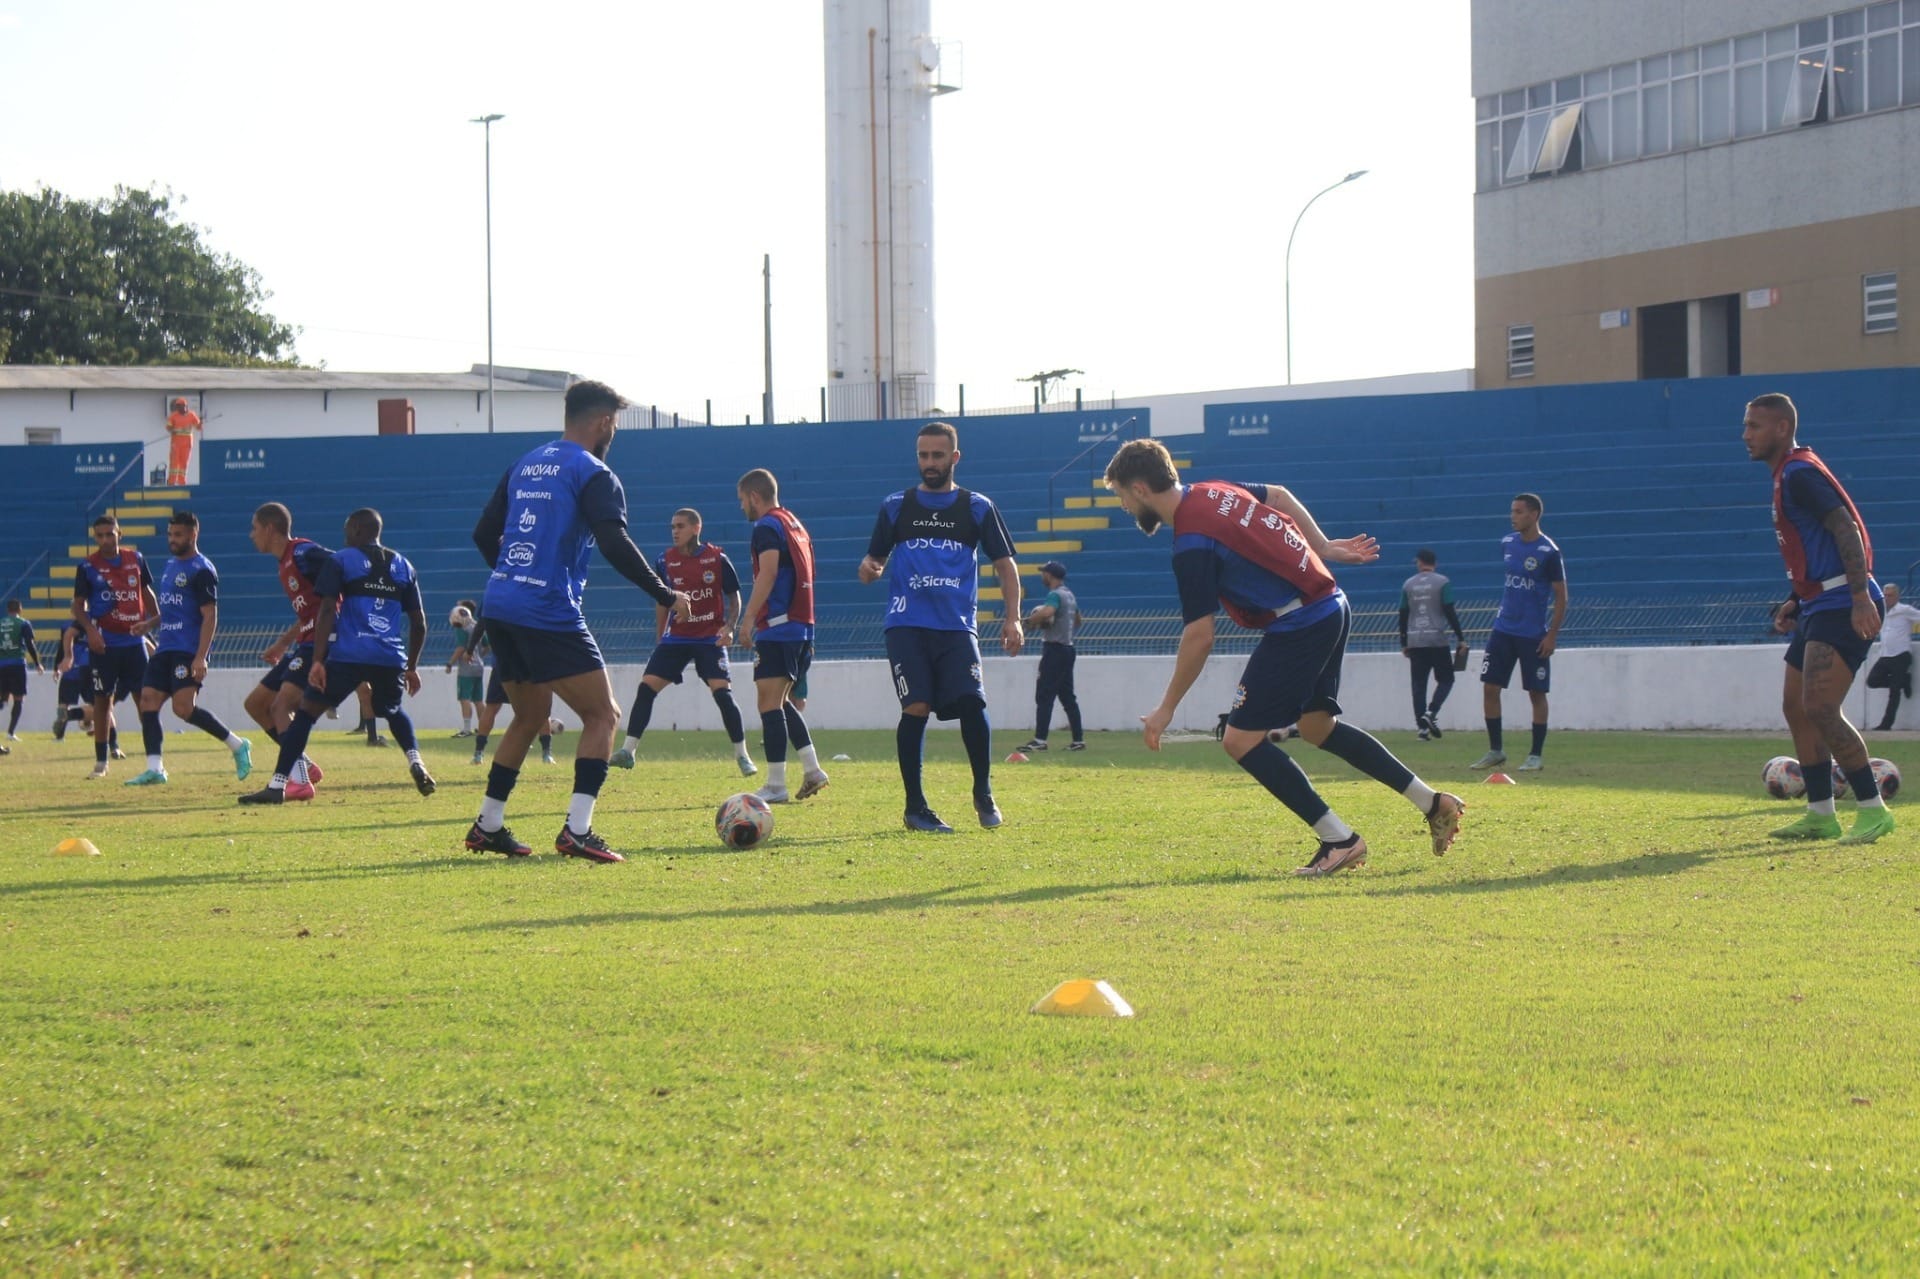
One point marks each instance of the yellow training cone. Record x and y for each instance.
(75, 848)
(1084, 998)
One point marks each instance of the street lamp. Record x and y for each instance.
(1357, 173)
(486, 124)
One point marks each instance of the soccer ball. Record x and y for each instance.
(459, 616)
(1782, 778)
(1840, 784)
(1887, 773)
(743, 820)
(555, 726)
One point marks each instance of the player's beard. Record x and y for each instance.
(1148, 519)
(936, 477)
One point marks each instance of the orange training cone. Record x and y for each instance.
(1499, 779)
(1083, 998)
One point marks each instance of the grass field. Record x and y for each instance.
(1616, 1030)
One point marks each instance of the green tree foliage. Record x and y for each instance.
(124, 281)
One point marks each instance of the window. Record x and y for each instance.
(43, 435)
(1520, 350)
(1880, 303)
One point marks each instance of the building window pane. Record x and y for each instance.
(1809, 76)
(1717, 54)
(1524, 156)
(1626, 126)
(1851, 23)
(1513, 102)
(1486, 108)
(1519, 350)
(1910, 11)
(1539, 95)
(1487, 156)
(1880, 302)
(1687, 61)
(1779, 82)
(1782, 40)
(1626, 75)
(1686, 114)
(1653, 70)
(1716, 107)
(1654, 120)
(1883, 72)
(1846, 93)
(1749, 103)
(1511, 131)
(1910, 66)
(1749, 48)
(1566, 90)
(1813, 33)
(1558, 146)
(1596, 139)
(1883, 17)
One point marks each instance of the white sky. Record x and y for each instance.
(1113, 186)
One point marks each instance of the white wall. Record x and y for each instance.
(1184, 413)
(1736, 687)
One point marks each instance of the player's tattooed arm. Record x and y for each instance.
(1846, 540)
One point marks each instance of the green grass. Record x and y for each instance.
(1617, 1030)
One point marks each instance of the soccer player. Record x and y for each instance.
(933, 534)
(16, 647)
(273, 700)
(112, 600)
(1256, 551)
(1058, 616)
(538, 531)
(1426, 611)
(1523, 634)
(705, 575)
(364, 591)
(1833, 616)
(496, 696)
(189, 594)
(470, 683)
(73, 702)
(781, 609)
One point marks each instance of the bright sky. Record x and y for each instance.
(1113, 185)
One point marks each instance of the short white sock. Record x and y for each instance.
(235, 742)
(278, 782)
(493, 814)
(466, 723)
(1823, 807)
(1332, 829)
(1875, 802)
(580, 813)
(631, 745)
(777, 773)
(810, 757)
(413, 757)
(156, 764)
(739, 748)
(299, 773)
(1421, 794)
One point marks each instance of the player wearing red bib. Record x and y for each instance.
(704, 572)
(272, 701)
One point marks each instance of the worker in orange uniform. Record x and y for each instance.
(181, 424)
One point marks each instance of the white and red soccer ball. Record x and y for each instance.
(743, 821)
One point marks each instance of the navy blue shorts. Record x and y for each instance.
(290, 669)
(670, 660)
(1504, 651)
(782, 659)
(1292, 673)
(530, 655)
(940, 668)
(170, 672)
(386, 683)
(1834, 628)
(118, 672)
(75, 687)
(496, 691)
(13, 680)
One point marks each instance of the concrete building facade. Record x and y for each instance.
(1675, 188)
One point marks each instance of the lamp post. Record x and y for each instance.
(1288, 275)
(486, 124)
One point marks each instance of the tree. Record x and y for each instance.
(124, 281)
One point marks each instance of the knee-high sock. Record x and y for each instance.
(773, 732)
(546, 743)
(13, 717)
(402, 725)
(1274, 769)
(796, 726)
(589, 775)
(910, 742)
(209, 723)
(977, 735)
(1365, 753)
(1494, 734)
(293, 744)
(642, 713)
(493, 809)
(729, 716)
(1539, 738)
(153, 735)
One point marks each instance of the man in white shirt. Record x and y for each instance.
(1894, 670)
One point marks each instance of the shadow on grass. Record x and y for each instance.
(255, 876)
(1640, 867)
(931, 898)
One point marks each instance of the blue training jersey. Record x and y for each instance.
(184, 586)
(1806, 497)
(376, 589)
(769, 534)
(1205, 570)
(1526, 602)
(82, 655)
(552, 498)
(933, 575)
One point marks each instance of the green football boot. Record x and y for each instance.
(1810, 826)
(1870, 825)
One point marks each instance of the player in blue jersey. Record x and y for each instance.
(927, 540)
(1256, 551)
(189, 594)
(1523, 632)
(113, 601)
(16, 647)
(1833, 616)
(538, 531)
(366, 591)
(780, 611)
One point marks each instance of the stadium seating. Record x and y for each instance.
(1647, 488)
